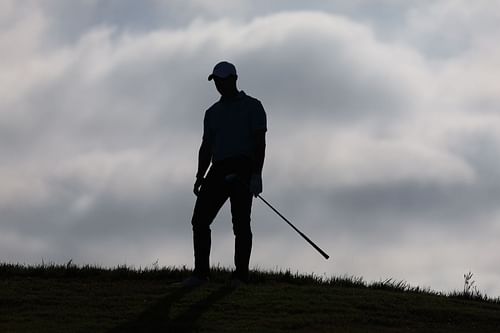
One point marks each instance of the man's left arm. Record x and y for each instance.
(259, 152)
(258, 125)
(258, 162)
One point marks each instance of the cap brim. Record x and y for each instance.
(212, 76)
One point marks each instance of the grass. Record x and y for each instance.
(70, 298)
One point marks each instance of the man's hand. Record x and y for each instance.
(197, 185)
(256, 184)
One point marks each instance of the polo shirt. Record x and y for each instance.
(229, 126)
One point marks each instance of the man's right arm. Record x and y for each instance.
(204, 158)
(204, 155)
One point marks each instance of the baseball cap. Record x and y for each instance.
(223, 69)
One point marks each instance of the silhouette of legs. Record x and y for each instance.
(213, 194)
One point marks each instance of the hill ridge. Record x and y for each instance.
(61, 298)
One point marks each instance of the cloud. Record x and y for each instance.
(349, 158)
(448, 28)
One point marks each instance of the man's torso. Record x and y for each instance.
(230, 124)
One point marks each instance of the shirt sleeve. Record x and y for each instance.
(259, 119)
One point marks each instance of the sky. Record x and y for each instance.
(382, 145)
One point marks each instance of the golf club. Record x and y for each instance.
(234, 178)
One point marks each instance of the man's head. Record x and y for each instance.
(224, 76)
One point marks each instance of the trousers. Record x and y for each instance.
(214, 192)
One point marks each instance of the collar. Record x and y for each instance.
(238, 96)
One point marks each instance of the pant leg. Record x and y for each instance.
(241, 206)
(213, 194)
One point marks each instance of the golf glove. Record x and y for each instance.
(256, 184)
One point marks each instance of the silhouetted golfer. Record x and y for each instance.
(234, 142)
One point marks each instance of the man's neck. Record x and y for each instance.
(232, 95)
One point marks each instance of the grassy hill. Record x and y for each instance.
(55, 298)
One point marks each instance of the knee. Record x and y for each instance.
(201, 231)
(242, 229)
(200, 224)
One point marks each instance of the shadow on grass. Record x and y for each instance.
(157, 317)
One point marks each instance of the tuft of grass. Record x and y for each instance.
(70, 270)
(471, 291)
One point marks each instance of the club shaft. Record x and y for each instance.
(323, 253)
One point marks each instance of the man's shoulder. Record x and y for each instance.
(213, 107)
(252, 101)
(249, 98)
